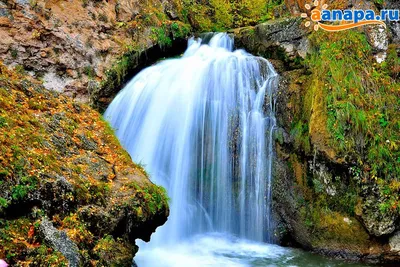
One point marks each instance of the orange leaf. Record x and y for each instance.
(31, 231)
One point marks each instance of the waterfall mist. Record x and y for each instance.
(202, 125)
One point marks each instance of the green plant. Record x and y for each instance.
(359, 101)
(89, 71)
(161, 36)
(179, 30)
(14, 53)
(3, 174)
(20, 69)
(33, 3)
(3, 202)
(3, 122)
(383, 122)
(300, 132)
(19, 192)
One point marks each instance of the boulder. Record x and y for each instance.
(394, 243)
(377, 223)
(276, 39)
(60, 241)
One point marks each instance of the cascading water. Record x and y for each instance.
(203, 126)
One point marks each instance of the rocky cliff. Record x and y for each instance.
(69, 194)
(336, 176)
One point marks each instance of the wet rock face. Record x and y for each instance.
(290, 229)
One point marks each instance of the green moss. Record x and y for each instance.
(3, 174)
(89, 71)
(155, 198)
(119, 70)
(220, 15)
(113, 252)
(180, 30)
(330, 228)
(301, 138)
(91, 191)
(44, 255)
(14, 53)
(77, 231)
(19, 244)
(3, 203)
(349, 107)
(360, 101)
(41, 151)
(161, 36)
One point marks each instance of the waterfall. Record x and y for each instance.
(203, 126)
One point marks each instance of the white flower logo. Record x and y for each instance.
(310, 21)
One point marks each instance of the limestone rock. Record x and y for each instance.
(377, 223)
(60, 242)
(377, 37)
(126, 10)
(286, 34)
(323, 178)
(394, 243)
(70, 52)
(394, 26)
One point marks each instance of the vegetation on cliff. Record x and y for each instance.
(345, 133)
(338, 160)
(357, 104)
(69, 193)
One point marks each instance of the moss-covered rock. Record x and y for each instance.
(336, 188)
(66, 182)
(329, 194)
(283, 39)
